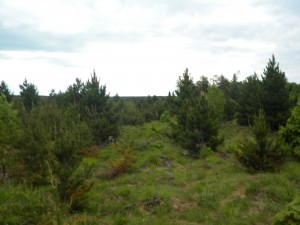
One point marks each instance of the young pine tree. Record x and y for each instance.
(29, 95)
(9, 136)
(196, 124)
(275, 95)
(4, 90)
(263, 151)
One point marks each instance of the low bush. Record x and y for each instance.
(22, 205)
(123, 163)
(290, 215)
(263, 151)
(291, 132)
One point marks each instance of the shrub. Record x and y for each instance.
(22, 205)
(9, 135)
(291, 132)
(165, 117)
(69, 175)
(263, 151)
(290, 215)
(122, 164)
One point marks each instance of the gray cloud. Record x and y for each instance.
(27, 38)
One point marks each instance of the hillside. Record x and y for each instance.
(145, 178)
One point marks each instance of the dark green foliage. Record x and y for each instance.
(231, 104)
(71, 185)
(150, 107)
(294, 93)
(275, 95)
(4, 90)
(186, 88)
(74, 92)
(203, 84)
(249, 100)
(223, 83)
(197, 124)
(34, 148)
(291, 132)
(91, 101)
(9, 136)
(200, 128)
(264, 151)
(21, 205)
(29, 95)
(95, 110)
(290, 215)
(94, 96)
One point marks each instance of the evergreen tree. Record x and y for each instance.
(224, 84)
(96, 110)
(249, 100)
(197, 124)
(264, 151)
(4, 90)
(74, 92)
(203, 84)
(185, 87)
(291, 132)
(234, 88)
(9, 135)
(231, 105)
(34, 148)
(94, 96)
(29, 95)
(275, 95)
(71, 185)
(230, 91)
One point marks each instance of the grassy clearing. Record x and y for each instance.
(164, 186)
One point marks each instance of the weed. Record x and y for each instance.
(123, 163)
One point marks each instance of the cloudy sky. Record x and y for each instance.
(140, 47)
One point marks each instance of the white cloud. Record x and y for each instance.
(141, 47)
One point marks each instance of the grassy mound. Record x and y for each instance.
(145, 178)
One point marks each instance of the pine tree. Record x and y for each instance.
(264, 151)
(4, 90)
(185, 87)
(197, 124)
(9, 136)
(96, 111)
(275, 95)
(203, 84)
(249, 100)
(29, 95)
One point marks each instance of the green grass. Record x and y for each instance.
(167, 187)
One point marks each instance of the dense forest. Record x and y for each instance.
(217, 151)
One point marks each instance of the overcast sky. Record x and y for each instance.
(140, 47)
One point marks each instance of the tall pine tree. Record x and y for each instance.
(29, 95)
(197, 124)
(275, 95)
